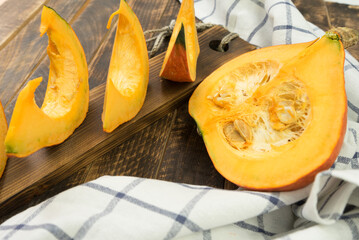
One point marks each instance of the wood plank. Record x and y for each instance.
(343, 15)
(186, 159)
(14, 15)
(229, 185)
(21, 56)
(138, 156)
(315, 12)
(89, 141)
(154, 15)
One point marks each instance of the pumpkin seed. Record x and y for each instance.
(222, 99)
(286, 112)
(231, 134)
(243, 129)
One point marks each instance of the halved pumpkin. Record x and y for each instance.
(3, 131)
(274, 117)
(180, 61)
(67, 94)
(128, 73)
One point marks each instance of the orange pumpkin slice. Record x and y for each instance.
(180, 62)
(67, 94)
(274, 117)
(3, 131)
(128, 73)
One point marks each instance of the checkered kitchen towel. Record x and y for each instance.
(136, 208)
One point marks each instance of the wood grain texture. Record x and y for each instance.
(21, 56)
(343, 15)
(177, 165)
(14, 15)
(315, 12)
(229, 185)
(138, 156)
(89, 141)
(154, 15)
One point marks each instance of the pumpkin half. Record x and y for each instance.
(67, 95)
(180, 61)
(3, 131)
(128, 73)
(274, 117)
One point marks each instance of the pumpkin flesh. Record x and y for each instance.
(128, 74)
(272, 118)
(181, 56)
(67, 95)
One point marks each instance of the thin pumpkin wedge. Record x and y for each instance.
(180, 61)
(274, 117)
(3, 131)
(128, 73)
(67, 95)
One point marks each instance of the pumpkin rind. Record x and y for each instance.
(318, 66)
(128, 74)
(181, 56)
(67, 95)
(3, 131)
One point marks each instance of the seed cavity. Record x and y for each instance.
(260, 114)
(278, 118)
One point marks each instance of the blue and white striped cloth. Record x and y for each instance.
(136, 208)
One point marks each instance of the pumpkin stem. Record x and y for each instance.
(348, 36)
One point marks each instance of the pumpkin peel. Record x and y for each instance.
(67, 95)
(180, 61)
(3, 131)
(271, 119)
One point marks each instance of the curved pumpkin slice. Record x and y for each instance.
(67, 94)
(180, 62)
(274, 117)
(127, 78)
(3, 131)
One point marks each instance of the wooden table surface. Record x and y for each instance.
(161, 143)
